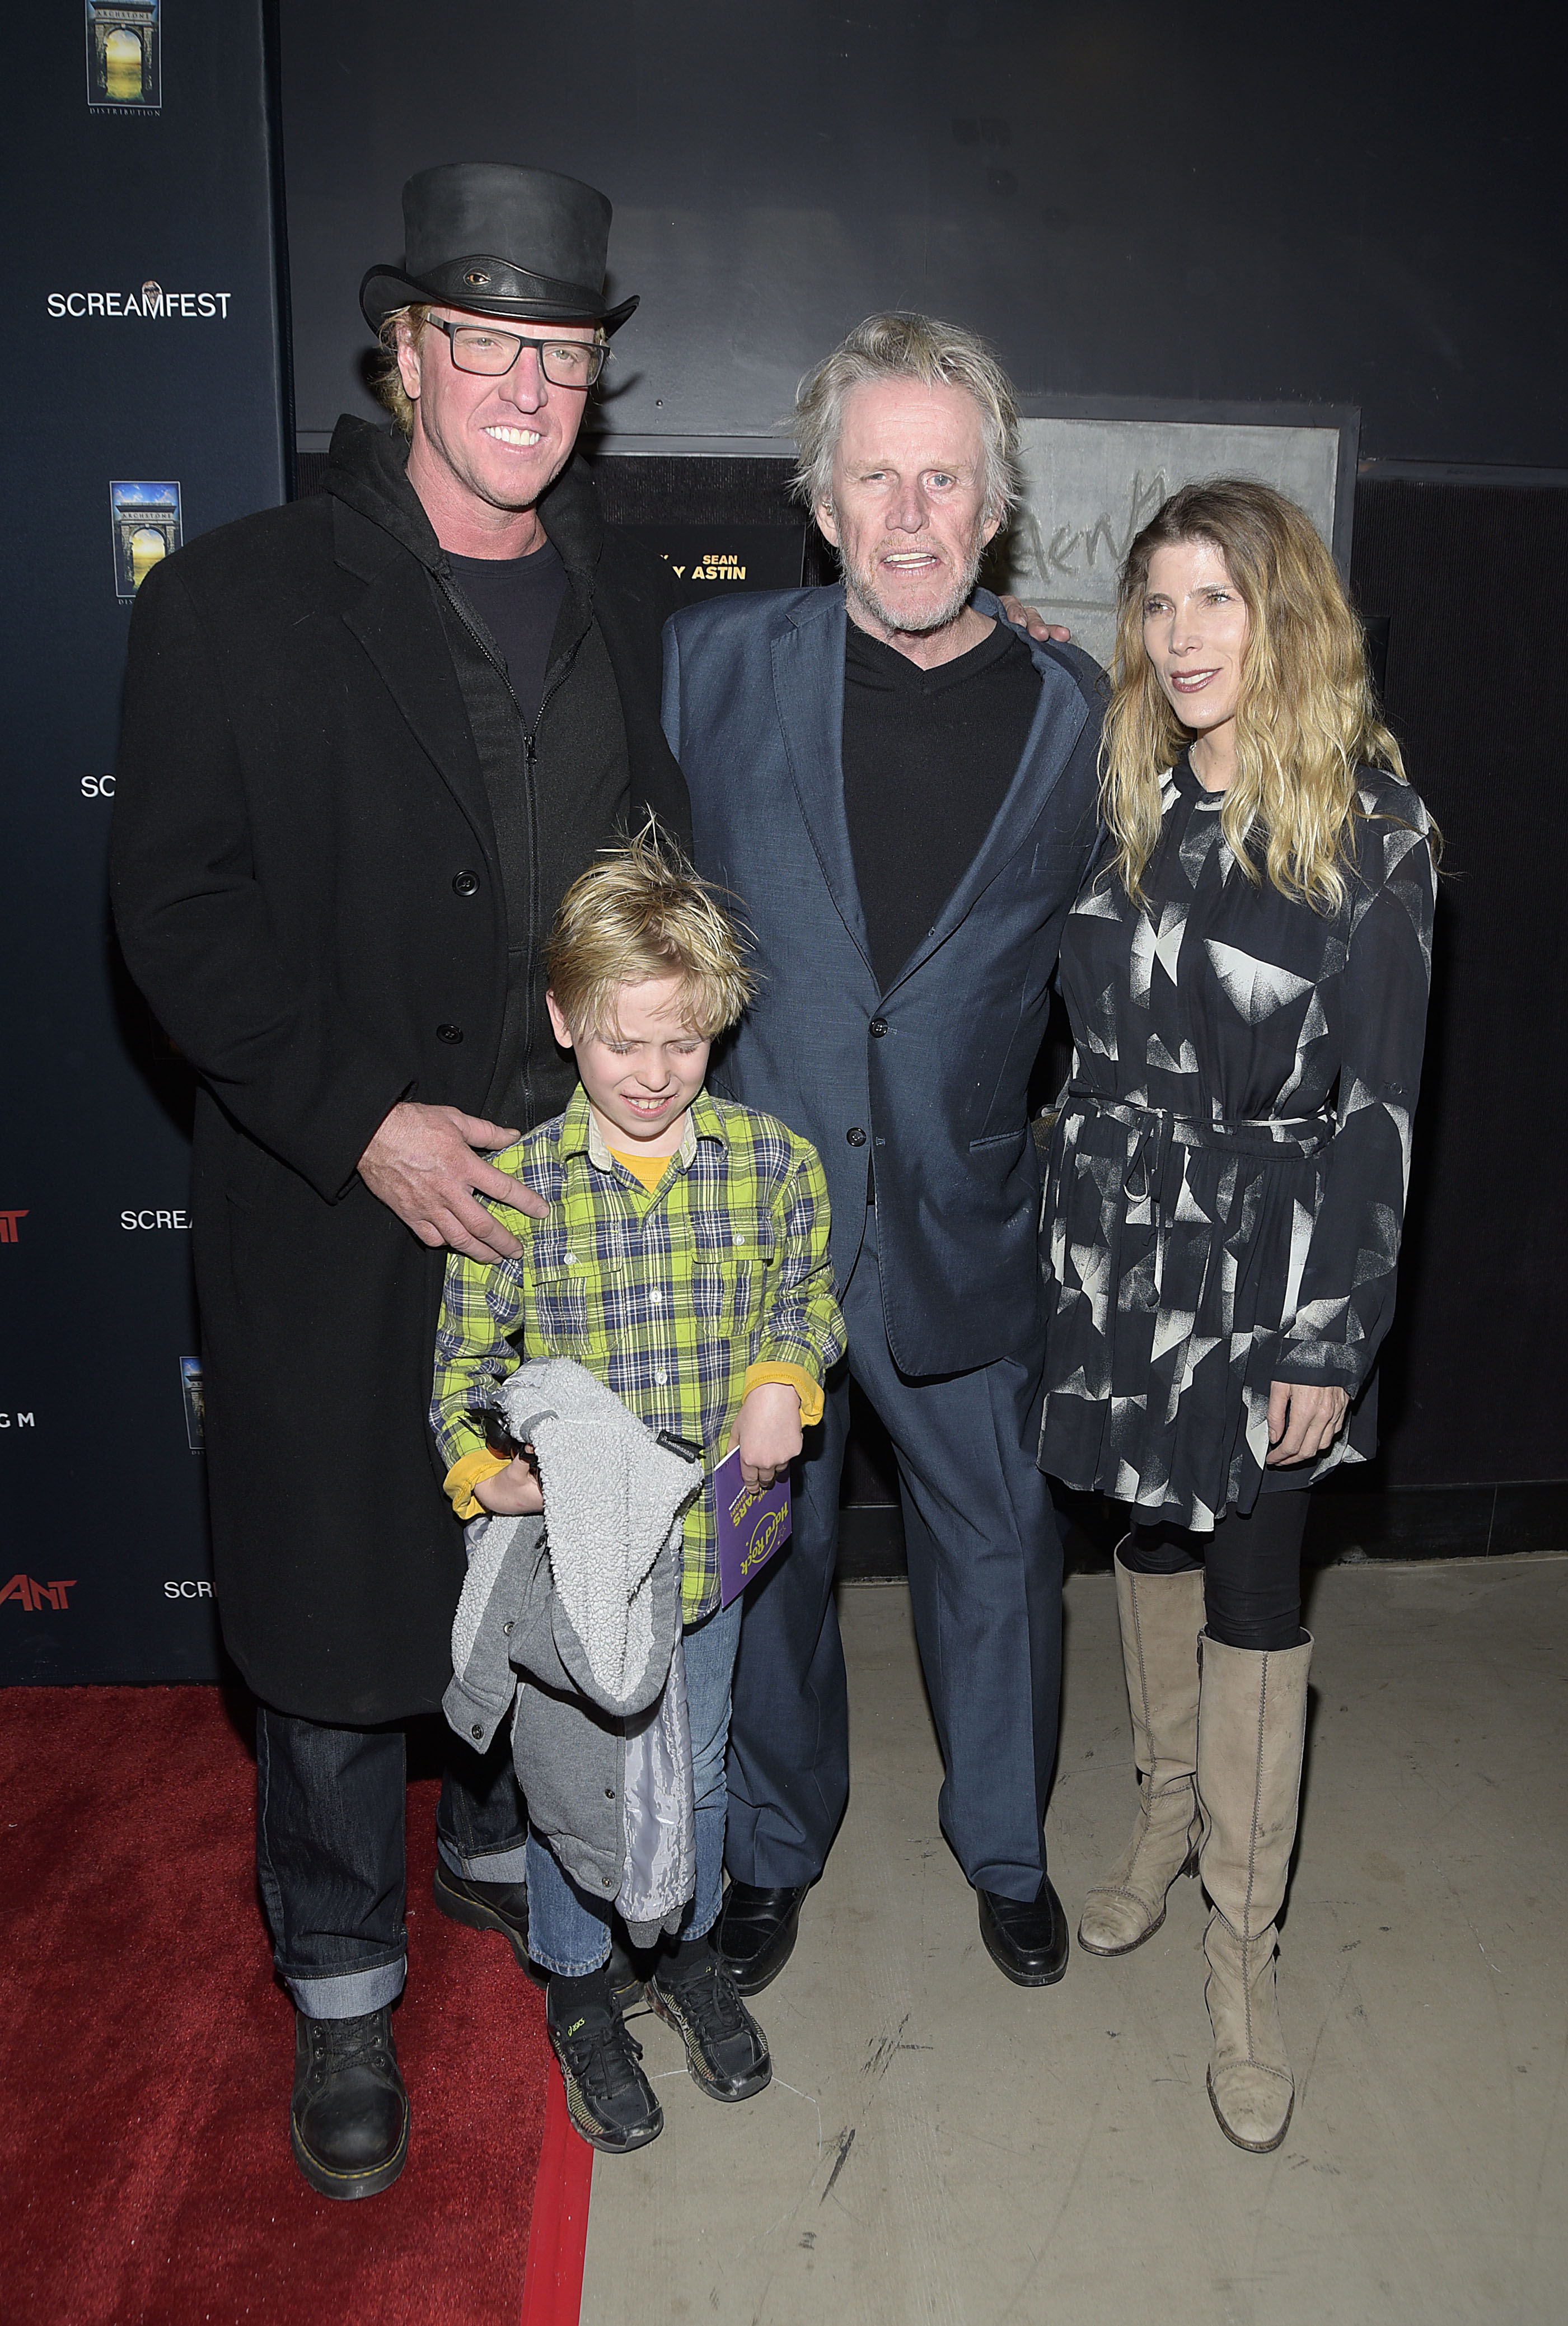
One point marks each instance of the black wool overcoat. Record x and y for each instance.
(309, 890)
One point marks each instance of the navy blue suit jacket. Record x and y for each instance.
(934, 1070)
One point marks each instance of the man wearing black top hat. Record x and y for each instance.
(369, 739)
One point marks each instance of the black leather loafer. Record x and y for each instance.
(757, 1932)
(486, 1907)
(1027, 1942)
(348, 2120)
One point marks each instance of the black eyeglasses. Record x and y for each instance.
(565, 363)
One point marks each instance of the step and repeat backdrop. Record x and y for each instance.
(145, 403)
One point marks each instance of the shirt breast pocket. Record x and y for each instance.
(730, 1253)
(559, 1326)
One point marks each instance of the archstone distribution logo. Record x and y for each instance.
(146, 518)
(125, 56)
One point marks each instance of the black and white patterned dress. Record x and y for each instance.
(1227, 1181)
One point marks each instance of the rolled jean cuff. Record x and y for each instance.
(494, 1865)
(563, 1969)
(697, 1923)
(350, 1993)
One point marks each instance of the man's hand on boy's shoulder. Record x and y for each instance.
(421, 1164)
(767, 1430)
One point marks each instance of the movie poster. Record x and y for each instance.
(145, 520)
(195, 1403)
(125, 65)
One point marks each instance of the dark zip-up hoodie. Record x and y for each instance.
(595, 759)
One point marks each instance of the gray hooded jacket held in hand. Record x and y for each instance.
(574, 1617)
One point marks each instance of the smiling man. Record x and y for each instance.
(900, 788)
(369, 742)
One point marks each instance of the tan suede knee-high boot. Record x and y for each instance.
(1251, 1727)
(1161, 1618)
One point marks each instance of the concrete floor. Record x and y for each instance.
(939, 2146)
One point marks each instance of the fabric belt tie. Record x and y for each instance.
(1270, 1137)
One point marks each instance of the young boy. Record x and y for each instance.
(683, 1263)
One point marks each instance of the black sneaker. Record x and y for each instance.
(608, 2096)
(348, 2121)
(726, 2050)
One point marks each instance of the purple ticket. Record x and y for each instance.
(753, 1522)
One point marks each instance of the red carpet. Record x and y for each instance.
(146, 2056)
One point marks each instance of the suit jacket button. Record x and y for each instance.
(448, 1033)
(856, 1137)
(880, 1026)
(465, 884)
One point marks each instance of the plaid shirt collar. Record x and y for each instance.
(581, 1133)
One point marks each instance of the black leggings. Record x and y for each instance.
(1251, 1568)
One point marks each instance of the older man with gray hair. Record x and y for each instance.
(900, 785)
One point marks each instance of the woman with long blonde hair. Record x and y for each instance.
(1246, 973)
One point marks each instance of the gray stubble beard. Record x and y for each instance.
(858, 587)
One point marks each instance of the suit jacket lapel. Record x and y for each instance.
(399, 625)
(1057, 723)
(808, 684)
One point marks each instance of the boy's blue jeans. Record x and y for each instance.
(567, 1933)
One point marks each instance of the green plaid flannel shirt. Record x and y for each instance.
(667, 1297)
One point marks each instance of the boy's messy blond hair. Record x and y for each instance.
(642, 912)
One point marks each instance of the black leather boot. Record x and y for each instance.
(486, 1907)
(348, 2123)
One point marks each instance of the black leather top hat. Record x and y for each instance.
(499, 240)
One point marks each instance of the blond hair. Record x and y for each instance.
(1306, 718)
(641, 912)
(906, 347)
(387, 377)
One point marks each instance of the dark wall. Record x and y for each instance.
(1475, 1377)
(1350, 204)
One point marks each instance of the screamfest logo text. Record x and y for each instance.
(145, 518)
(152, 304)
(125, 56)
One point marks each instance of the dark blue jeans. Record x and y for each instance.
(330, 1850)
